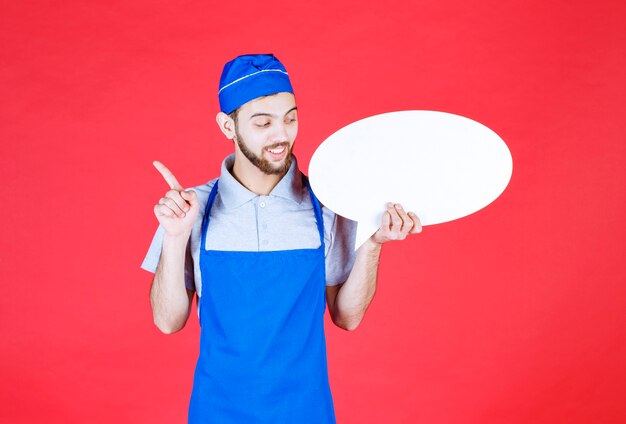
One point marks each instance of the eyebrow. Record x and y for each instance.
(273, 116)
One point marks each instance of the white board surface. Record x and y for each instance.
(439, 165)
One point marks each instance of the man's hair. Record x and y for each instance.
(234, 116)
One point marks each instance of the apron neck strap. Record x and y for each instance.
(319, 219)
(207, 212)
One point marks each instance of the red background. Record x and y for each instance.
(515, 314)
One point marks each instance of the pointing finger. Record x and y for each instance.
(167, 175)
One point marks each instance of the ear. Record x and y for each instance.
(226, 124)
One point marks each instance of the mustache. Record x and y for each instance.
(276, 145)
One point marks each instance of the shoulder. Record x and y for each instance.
(338, 228)
(333, 222)
(339, 224)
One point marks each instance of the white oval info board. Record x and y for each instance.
(439, 165)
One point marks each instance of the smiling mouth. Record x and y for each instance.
(277, 151)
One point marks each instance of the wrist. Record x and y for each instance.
(176, 240)
(371, 245)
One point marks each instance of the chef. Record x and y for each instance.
(265, 259)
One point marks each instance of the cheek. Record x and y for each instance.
(251, 138)
(260, 140)
(293, 132)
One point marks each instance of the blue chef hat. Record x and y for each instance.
(250, 76)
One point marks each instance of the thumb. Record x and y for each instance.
(190, 196)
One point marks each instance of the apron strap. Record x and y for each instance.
(319, 219)
(205, 219)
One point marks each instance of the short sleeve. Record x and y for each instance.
(151, 261)
(340, 253)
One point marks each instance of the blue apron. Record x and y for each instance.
(262, 345)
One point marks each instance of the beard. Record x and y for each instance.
(260, 162)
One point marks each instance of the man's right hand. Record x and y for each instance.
(177, 210)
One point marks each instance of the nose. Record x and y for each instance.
(280, 135)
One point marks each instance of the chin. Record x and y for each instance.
(279, 167)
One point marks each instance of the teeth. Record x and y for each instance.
(277, 150)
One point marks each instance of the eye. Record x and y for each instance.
(262, 124)
(291, 120)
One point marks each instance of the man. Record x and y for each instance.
(265, 258)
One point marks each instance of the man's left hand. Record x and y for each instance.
(397, 224)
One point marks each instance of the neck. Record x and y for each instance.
(252, 177)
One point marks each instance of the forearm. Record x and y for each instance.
(355, 295)
(168, 295)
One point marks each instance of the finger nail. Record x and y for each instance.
(399, 206)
